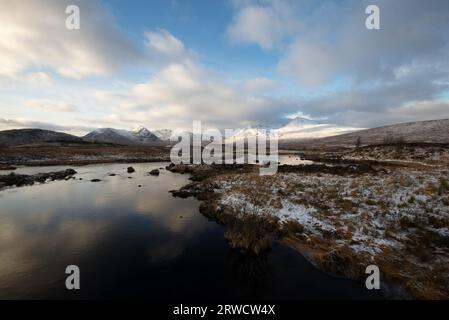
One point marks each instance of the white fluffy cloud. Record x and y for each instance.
(50, 105)
(163, 48)
(184, 90)
(33, 36)
(19, 123)
(328, 39)
(399, 72)
(265, 24)
(310, 64)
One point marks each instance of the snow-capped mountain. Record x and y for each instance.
(297, 129)
(166, 134)
(110, 135)
(139, 135)
(143, 135)
(301, 128)
(247, 132)
(431, 131)
(435, 131)
(163, 134)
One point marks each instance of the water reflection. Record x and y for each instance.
(43, 225)
(132, 241)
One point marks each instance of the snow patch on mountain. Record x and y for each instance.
(301, 128)
(297, 129)
(139, 135)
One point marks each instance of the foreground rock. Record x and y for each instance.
(182, 193)
(130, 170)
(154, 172)
(19, 180)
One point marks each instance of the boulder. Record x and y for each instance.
(154, 172)
(181, 193)
(19, 180)
(130, 170)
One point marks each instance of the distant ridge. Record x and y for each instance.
(137, 136)
(298, 129)
(431, 131)
(18, 137)
(303, 131)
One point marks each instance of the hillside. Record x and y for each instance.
(415, 152)
(433, 131)
(140, 135)
(19, 137)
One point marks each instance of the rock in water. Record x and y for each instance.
(19, 180)
(130, 170)
(154, 172)
(181, 193)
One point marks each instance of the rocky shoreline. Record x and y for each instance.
(20, 180)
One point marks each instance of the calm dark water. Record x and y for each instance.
(132, 242)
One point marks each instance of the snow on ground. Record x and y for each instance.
(405, 211)
(401, 152)
(343, 221)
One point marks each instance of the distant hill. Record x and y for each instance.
(20, 137)
(432, 131)
(138, 136)
(298, 132)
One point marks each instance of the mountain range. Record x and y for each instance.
(301, 128)
(297, 130)
(139, 135)
(19, 137)
(431, 131)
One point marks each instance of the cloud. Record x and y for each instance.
(347, 47)
(388, 75)
(307, 63)
(410, 99)
(265, 24)
(184, 90)
(33, 35)
(410, 112)
(259, 85)
(327, 39)
(38, 79)
(6, 124)
(163, 48)
(358, 77)
(50, 105)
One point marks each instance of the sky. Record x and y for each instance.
(229, 64)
